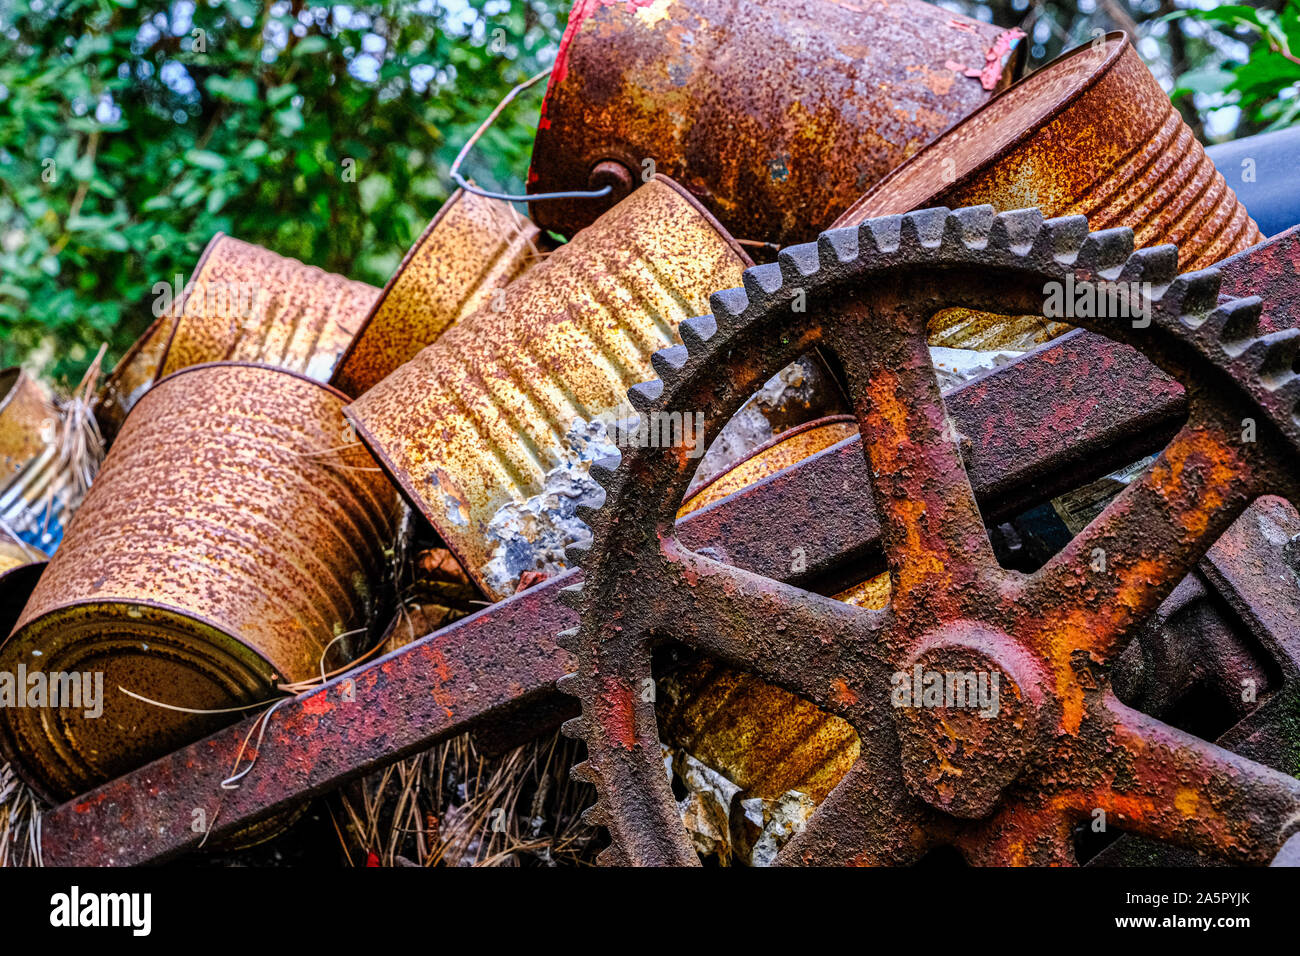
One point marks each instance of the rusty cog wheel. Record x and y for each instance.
(1003, 789)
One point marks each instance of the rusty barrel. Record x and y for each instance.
(474, 247)
(232, 535)
(1091, 133)
(490, 430)
(775, 114)
(248, 304)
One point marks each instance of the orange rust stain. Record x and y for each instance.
(842, 692)
(442, 674)
(1187, 802)
(318, 703)
(618, 715)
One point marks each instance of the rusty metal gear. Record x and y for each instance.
(1062, 748)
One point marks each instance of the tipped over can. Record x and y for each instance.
(490, 430)
(233, 541)
(132, 376)
(248, 304)
(775, 114)
(1090, 133)
(474, 247)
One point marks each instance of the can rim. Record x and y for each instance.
(263, 366)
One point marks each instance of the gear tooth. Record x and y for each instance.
(586, 513)
(645, 396)
(1105, 251)
(924, 228)
(595, 816)
(572, 728)
(1192, 294)
(567, 640)
(567, 684)
(1155, 264)
(613, 856)
(1015, 229)
(1274, 356)
(576, 552)
(584, 772)
(1235, 323)
(602, 470)
(799, 262)
(668, 363)
(879, 235)
(836, 247)
(729, 304)
(762, 281)
(696, 333)
(1061, 238)
(571, 597)
(968, 227)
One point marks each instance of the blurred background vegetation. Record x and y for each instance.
(131, 131)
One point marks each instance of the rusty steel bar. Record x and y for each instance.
(758, 107)
(1084, 393)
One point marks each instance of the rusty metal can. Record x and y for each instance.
(474, 247)
(132, 376)
(776, 115)
(27, 421)
(1090, 133)
(490, 430)
(233, 541)
(248, 304)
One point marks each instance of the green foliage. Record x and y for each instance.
(131, 131)
(1265, 85)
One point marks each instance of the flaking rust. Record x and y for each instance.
(775, 115)
(233, 541)
(507, 409)
(473, 248)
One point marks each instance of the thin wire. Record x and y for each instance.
(464, 184)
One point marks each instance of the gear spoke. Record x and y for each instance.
(934, 536)
(1166, 784)
(819, 648)
(1118, 570)
(863, 822)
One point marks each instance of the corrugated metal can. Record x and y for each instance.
(248, 304)
(490, 430)
(474, 247)
(132, 376)
(1091, 133)
(233, 534)
(776, 115)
